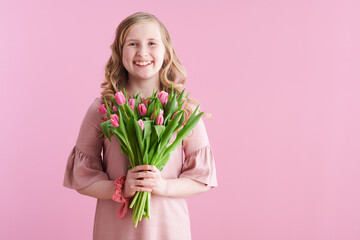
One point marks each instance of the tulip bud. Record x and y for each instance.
(160, 118)
(147, 102)
(163, 97)
(120, 98)
(115, 109)
(114, 119)
(132, 102)
(102, 109)
(142, 109)
(141, 123)
(132, 107)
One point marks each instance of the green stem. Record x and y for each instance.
(134, 199)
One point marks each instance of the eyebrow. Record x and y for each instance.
(138, 40)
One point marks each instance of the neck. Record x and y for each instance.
(145, 88)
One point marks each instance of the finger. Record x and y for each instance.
(143, 168)
(145, 183)
(143, 189)
(142, 175)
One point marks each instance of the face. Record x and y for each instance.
(143, 52)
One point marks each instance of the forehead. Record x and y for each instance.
(143, 31)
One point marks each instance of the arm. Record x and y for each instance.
(183, 187)
(102, 189)
(149, 181)
(148, 178)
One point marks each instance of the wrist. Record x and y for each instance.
(162, 189)
(118, 197)
(165, 187)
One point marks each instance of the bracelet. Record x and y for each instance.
(118, 197)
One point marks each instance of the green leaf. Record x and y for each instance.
(125, 95)
(160, 165)
(147, 129)
(169, 130)
(119, 135)
(130, 128)
(166, 136)
(158, 104)
(107, 108)
(181, 121)
(150, 108)
(155, 93)
(183, 133)
(130, 113)
(139, 135)
(159, 130)
(146, 150)
(114, 102)
(123, 131)
(170, 108)
(106, 127)
(181, 96)
(124, 115)
(124, 151)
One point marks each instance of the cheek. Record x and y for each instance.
(126, 59)
(160, 54)
(127, 55)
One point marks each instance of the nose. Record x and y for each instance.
(143, 51)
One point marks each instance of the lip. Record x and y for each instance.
(143, 61)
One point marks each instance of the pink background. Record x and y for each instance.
(281, 79)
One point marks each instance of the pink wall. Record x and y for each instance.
(281, 79)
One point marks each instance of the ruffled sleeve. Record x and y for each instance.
(199, 163)
(84, 164)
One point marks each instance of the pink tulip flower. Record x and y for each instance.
(102, 109)
(132, 102)
(115, 109)
(160, 118)
(120, 98)
(147, 102)
(132, 107)
(142, 109)
(114, 119)
(163, 96)
(141, 123)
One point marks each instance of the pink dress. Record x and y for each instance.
(169, 215)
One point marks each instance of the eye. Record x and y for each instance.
(131, 44)
(153, 43)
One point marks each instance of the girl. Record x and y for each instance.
(143, 60)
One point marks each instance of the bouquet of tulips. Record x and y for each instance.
(144, 128)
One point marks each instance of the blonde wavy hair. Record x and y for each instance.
(171, 72)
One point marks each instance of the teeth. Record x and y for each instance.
(142, 63)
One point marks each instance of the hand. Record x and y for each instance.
(145, 178)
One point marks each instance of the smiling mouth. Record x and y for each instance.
(143, 64)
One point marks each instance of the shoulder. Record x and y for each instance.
(95, 104)
(93, 113)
